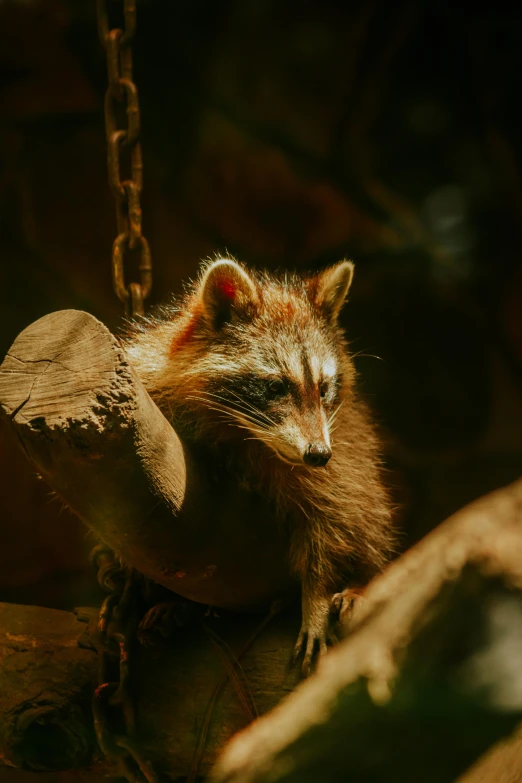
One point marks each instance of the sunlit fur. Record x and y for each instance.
(208, 362)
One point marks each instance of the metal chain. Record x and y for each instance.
(113, 708)
(124, 155)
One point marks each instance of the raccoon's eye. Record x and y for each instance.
(323, 388)
(277, 387)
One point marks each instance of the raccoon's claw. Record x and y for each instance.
(312, 646)
(300, 646)
(317, 634)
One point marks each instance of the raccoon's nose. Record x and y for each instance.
(317, 454)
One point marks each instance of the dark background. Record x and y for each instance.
(291, 134)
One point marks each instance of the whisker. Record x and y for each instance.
(332, 418)
(234, 412)
(250, 429)
(244, 404)
(248, 409)
(237, 416)
(253, 408)
(264, 433)
(365, 356)
(263, 440)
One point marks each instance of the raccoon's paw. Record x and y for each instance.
(313, 641)
(344, 606)
(163, 619)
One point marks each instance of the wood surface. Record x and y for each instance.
(49, 670)
(85, 420)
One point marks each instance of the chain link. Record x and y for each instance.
(112, 706)
(124, 155)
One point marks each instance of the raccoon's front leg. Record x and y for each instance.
(315, 634)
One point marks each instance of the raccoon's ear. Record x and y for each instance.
(226, 290)
(329, 289)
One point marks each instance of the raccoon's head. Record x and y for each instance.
(271, 361)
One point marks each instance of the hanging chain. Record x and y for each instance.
(124, 155)
(113, 708)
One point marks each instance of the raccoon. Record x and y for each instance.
(256, 367)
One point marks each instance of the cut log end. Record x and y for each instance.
(93, 432)
(66, 369)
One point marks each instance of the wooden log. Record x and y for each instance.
(429, 678)
(85, 420)
(48, 673)
(46, 682)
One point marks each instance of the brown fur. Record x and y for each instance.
(230, 321)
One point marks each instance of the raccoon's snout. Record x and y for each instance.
(317, 454)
